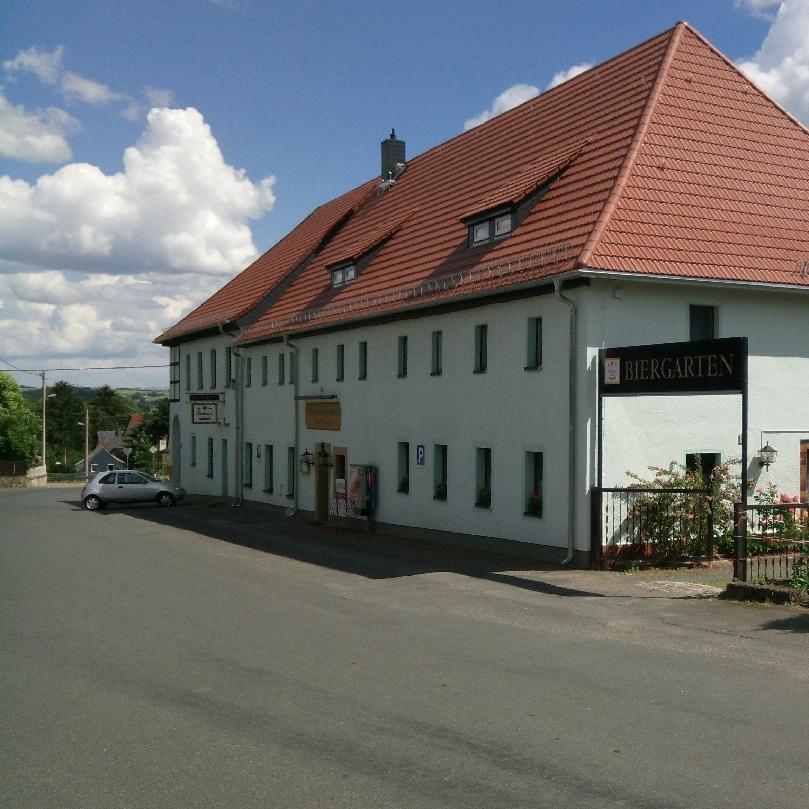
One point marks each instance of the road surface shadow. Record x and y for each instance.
(795, 623)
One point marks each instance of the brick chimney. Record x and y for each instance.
(393, 153)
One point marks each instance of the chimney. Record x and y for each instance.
(393, 152)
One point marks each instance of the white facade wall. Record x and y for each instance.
(655, 430)
(509, 409)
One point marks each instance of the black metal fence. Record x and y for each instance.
(652, 523)
(772, 543)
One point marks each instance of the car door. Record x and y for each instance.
(132, 487)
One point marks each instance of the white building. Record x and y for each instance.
(442, 323)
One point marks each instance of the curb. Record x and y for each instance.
(765, 593)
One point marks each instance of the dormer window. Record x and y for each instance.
(340, 276)
(494, 227)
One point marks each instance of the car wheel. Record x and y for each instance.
(165, 499)
(93, 503)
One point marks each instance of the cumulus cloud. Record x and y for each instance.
(565, 75)
(519, 93)
(508, 99)
(781, 65)
(38, 137)
(158, 97)
(177, 206)
(46, 66)
(759, 8)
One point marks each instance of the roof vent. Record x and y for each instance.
(393, 157)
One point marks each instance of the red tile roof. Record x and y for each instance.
(674, 164)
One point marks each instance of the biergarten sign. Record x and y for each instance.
(698, 366)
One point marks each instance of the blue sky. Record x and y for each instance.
(295, 98)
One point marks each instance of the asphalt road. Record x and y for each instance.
(204, 657)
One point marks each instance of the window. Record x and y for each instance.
(94, 467)
(403, 467)
(199, 370)
(281, 374)
(533, 484)
(210, 458)
(228, 366)
(265, 370)
(188, 372)
(109, 479)
(315, 368)
(702, 322)
(481, 348)
(248, 372)
(341, 365)
(110, 467)
(193, 450)
(268, 470)
(343, 275)
(436, 367)
(292, 364)
(703, 462)
(491, 229)
(363, 360)
(174, 381)
(402, 362)
(213, 368)
(290, 471)
(440, 471)
(483, 477)
(248, 465)
(534, 355)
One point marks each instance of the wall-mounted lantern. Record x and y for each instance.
(306, 461)
(766, 456)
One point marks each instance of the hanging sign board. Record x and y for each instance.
(204, 413)
(698, 366)
(322, 415)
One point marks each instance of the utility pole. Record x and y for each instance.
(87, 441)
(44, 399)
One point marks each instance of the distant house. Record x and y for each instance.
(100, 459)
(136, 420)
(111, 439)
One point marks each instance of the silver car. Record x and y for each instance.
(128, 487)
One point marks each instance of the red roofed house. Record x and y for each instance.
(442, 322)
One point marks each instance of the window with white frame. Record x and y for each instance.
(440, 471)
(533, 484)
(343, 275)
(403, 467)
(483, 477)
(533, 358)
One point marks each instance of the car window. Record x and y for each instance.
(130, 477)
(107, 479)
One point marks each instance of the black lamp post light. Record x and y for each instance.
(766, 456)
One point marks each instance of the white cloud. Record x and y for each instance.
(38, 137)
(759, 8)
(176, 207)
(566, 75)
(512, 97)
(158, 97)
(47, 67)
(83, 89)
(781, 65)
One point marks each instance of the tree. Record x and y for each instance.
(108, 411)
(65, 434)
(156, 423)
(140, 443)
(19, 427)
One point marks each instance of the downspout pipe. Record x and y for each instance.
(239, 415)
(572, 402)
(296, 391)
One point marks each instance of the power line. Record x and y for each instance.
(38, 371)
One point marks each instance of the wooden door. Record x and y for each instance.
(322, 467)
(804, 471)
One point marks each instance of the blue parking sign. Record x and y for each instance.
(421, 455)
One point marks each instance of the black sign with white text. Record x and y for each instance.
(699, 366)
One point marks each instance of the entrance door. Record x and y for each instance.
(322, 466)
(804, 471)
(224, 467)
(176, 448)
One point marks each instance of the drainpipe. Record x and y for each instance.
(295, 391)
(572, 390)
(239, 416)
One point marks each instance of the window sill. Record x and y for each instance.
(481, 505)
(436, 373)
(247, 485)
(442, 499)
(479, 371)
(291, 496)
(531, 514)
(403, 491)
(267, 491)
(532, 368)
(401, 376)
(362, 378)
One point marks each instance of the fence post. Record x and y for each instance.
(740, 542)
(709, 543)
(596, 520)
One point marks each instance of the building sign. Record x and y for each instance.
(204, 413)
(323, 415)
(698, 366)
